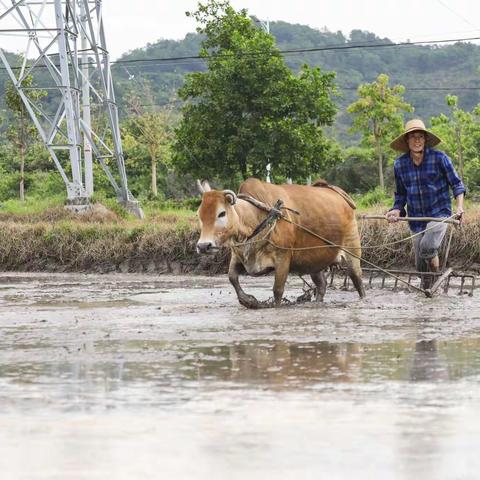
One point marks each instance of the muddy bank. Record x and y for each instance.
(169, 247)
(122, 247)
(125, 376)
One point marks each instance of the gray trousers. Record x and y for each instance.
(427, 245)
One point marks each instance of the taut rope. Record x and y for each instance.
(329, 244)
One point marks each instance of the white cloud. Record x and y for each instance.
(134, 24)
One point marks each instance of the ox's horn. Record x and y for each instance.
(230, 196)
(203, 186)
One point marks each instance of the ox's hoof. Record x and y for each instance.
(304, 298)
(249, 301)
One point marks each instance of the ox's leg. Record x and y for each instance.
(354, 271)
(321, 285)
(282, 268)
(234, 270)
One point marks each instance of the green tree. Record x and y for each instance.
(356, 172)
(378, 116)
(249, 109)
(460, 134)
(151, 128)
(21, 130)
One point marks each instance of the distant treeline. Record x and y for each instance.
(427, 72)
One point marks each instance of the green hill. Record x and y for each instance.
(428, 72)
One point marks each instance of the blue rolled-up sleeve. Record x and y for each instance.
(453, 179)
(400, 196)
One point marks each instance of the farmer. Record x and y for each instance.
(423, 177)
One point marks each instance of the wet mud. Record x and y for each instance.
(143, 376)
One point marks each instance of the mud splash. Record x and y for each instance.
(137, 376)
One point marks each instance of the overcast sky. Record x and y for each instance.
(133, 24)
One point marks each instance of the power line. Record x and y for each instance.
(166, 104)
(420, 89)
(458, 15)
(298, 50)
(339, 47)
(355, 87)
(416, 89)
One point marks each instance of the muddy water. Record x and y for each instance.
(139, 377)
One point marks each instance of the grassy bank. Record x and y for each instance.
(53, 239)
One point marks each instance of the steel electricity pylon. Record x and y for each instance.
(63, 50)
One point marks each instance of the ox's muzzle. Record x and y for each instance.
(206, 247)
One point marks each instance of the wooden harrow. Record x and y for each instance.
(464, 282)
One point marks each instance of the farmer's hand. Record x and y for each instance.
(460, 215)
(393, 215)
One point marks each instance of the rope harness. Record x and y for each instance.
(271, 219)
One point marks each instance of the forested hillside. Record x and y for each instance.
(428, 72)
(299, 129)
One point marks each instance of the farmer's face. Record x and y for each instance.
(416, 141)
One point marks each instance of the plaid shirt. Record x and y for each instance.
(425, 189)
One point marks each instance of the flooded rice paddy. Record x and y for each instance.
(166, 377)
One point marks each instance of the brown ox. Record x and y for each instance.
(228, 221)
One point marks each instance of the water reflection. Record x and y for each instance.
(421, 434)
(284, 364)
(108, 369)
(427, 365)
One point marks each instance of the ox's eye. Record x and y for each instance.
(222, 214)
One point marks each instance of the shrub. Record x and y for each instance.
(377, 196)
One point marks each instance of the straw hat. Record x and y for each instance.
(400, 143)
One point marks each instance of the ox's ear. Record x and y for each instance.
(203, 186)
(230, 197)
